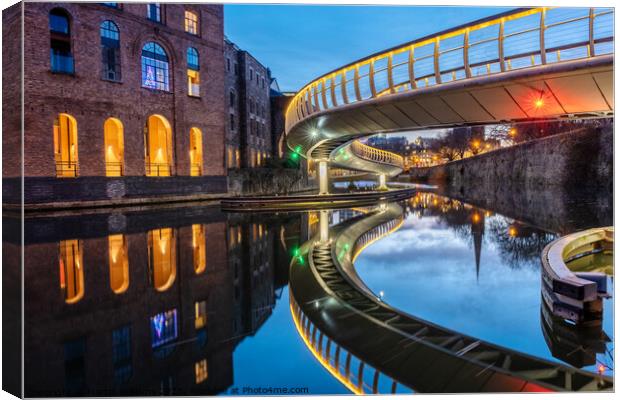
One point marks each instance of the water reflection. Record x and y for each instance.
(186, 301)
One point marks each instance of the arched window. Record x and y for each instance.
(65, 146)
(200, 248)
(119, 263)
(155, 68)
(195, 152)
(162, 258)
(158, 146)
(191, 22)
(193, 74)
(114, 147)
(71, 270)
(61, 58)
(110, 51)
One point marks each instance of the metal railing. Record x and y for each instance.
(114, 168)
(376, 155)
(158, 169)
(67, 169)
(514, 40)
(348, 369)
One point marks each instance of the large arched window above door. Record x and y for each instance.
(65, 146)
(158, 142)
(114, 147)
(155, 67)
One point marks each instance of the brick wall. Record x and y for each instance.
(91, 100)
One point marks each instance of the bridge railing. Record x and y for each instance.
(376, 155)
(510, 41)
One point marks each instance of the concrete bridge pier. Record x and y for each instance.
(323, 177)
(382, 184)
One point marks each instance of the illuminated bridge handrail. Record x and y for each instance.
(376, 155)
(341, 363)
(375, 234)
(519, 39)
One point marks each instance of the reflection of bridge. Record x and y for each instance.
(338, 316)
(526, 64)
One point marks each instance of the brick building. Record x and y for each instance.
(248, 131)
(120, 101)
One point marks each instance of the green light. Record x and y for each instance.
(296, 252)
(301, 260)
(298, 149)
(294, 156)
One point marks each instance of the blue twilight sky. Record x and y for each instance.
(302, 42)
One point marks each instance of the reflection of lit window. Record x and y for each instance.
(162, 257)
(201, 371)
(71, 270)
(164, 328)
(199, 246)
(121, 354)
(119, 264)
(201, 314)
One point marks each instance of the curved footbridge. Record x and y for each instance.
(373, 348)
(537, 63)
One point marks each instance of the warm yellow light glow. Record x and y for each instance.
(201, 371)
(65, 149)
(199, 248)
(71, 275)
(512, 231)
(200, 312)
(114, 142)
(119, 263)
(162, 257)
(475, 218)
(539, 103)
(158, 139)
(513, 131)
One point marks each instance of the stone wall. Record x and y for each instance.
(264, 181)
(543, 182)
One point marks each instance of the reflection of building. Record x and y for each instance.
(142, 304)
(116, 95)
(248, 132)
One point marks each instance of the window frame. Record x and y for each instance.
(195, 23)
(157, 62)
(116, 50)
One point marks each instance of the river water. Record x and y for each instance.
(195, 301)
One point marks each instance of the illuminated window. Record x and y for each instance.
(110, 51)
(195, 152)
(201, 371)
(153, 12)
(114, 147)
(71, 270)
(193, 74)
(162, 258)
(191, 22)
(164, 328)
(237, 158)
(61, 58)
(158, 142)
(200, 309)
(155, 68)
(65, 146)
(200, 248)
(119, 263)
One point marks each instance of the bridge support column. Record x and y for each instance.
(382, 185)
(324, 226)
(323, 178)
